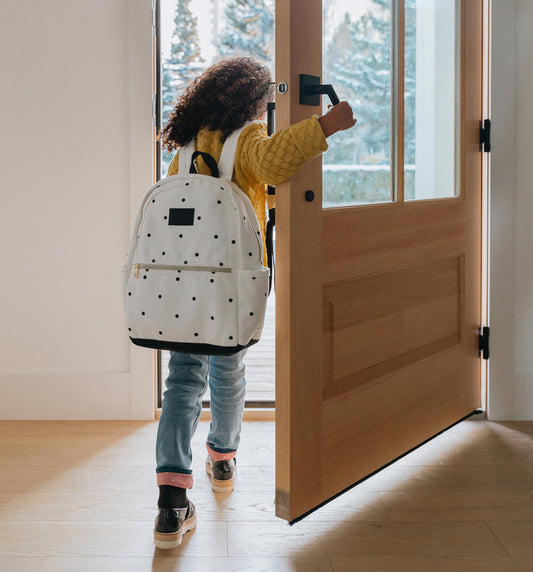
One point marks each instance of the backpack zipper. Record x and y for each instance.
(178, 268)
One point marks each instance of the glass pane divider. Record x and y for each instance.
(397, 103)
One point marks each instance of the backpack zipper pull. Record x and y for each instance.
(136, 273)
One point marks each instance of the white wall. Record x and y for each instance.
(511, 264)
(75, 155)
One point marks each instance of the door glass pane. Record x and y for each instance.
(356, 59)
(431, 98)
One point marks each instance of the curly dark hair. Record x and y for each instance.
(225, 96)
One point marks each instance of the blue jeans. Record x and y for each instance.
(182, 404)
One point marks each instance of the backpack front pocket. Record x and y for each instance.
(182, 305)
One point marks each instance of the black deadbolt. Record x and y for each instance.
(309, 196)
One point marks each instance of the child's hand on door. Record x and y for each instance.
(338, 118)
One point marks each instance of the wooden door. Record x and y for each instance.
(377, 306)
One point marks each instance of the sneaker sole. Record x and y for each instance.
(167, 540)
(217, 485)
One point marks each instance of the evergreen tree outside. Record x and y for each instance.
(249, 29)
(168, 92)
(184, 63)
(357, 61)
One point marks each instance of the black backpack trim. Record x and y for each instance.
(188, 348)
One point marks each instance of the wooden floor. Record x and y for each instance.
(260, 360)
(81, 496)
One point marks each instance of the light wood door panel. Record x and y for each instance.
(377, 306)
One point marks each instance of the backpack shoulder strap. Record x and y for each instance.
(226, 162)
(185, 157)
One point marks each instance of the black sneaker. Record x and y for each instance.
(172, 523)
(222, 474)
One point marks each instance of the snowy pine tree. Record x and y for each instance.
(184, 63)
(249, 29)
(366, 72)
(168, 93)
(336, 62)
(357, 61)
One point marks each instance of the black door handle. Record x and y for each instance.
(311, 89)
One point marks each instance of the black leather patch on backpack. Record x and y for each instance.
(181, 217)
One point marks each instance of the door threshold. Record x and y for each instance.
(255, 414)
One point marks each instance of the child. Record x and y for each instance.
(227, 95)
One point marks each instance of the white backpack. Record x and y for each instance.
(194, 279)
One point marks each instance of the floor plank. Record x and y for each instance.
(435, 479)
(358, 538)
(90, 539)
(515, 536)
(426, 564)
(412, 507)
(165, 563)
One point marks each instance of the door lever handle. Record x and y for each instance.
(311, 89)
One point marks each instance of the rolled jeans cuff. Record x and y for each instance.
(216, 456)
(175, 480)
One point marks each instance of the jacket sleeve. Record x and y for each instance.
(272, 160)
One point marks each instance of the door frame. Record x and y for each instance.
(142, 364)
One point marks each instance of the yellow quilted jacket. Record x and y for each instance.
(261, 160)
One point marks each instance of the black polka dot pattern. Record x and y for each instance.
(201, 304)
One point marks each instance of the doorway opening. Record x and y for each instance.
(190, 36)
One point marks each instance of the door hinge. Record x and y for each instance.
(484, 135)
(483, 334)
